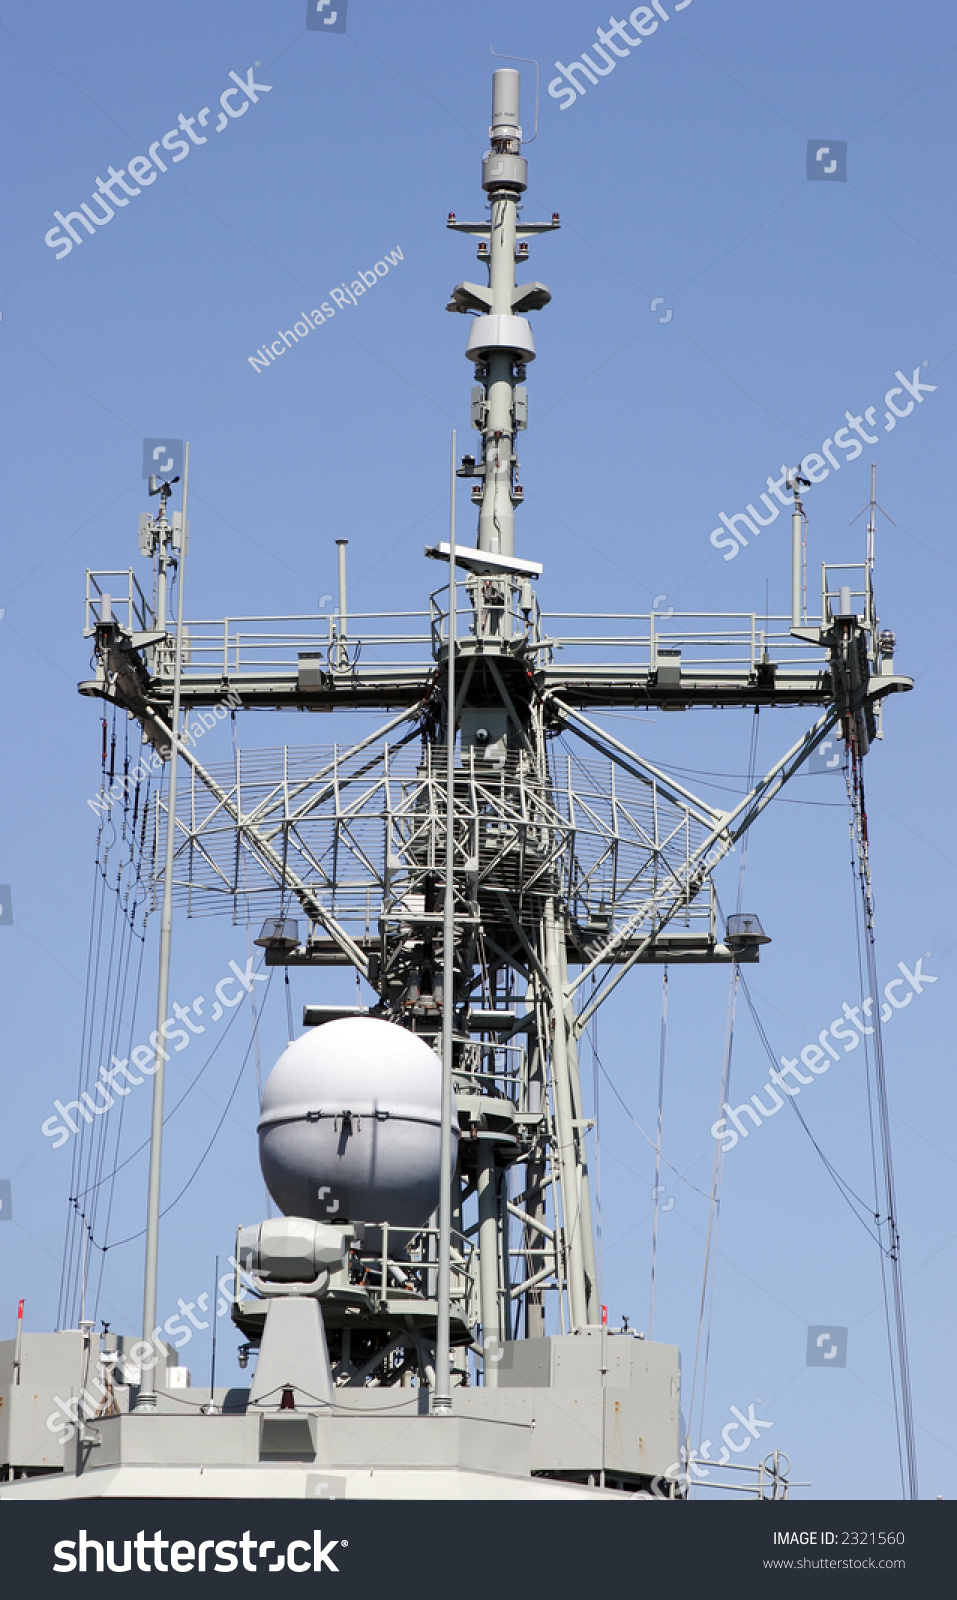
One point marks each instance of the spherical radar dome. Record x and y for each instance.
(350, 1125)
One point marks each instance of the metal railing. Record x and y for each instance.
(770, 1478)
(488, 610)
(743, 641)
(833, 575)
(127, 602)
(409, 1271)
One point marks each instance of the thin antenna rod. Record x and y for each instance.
(213, 1408)
(795, 482)
(532, 63)
(442, 1393)
(147, 1395)
(19, 1344)
(342, 626)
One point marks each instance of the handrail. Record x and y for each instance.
(486, 610)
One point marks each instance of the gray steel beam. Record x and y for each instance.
(488, 1260)
(392, 688)
(663, 905)
(564, 1113)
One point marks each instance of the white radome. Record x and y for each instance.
(350, 1125)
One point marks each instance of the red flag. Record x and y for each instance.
(20, 1311)
(604, 1316)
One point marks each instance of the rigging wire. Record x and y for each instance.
(72, 1245)
(173, 1109)
(66, 1255)
(655, 1191)
(253, 1000)
(89, 1154)
(118, 978)
(596, 1106)
(711, 1236)
(646, 1136)
(115, 1244)
(119, 1132)
(848, 1194)
(709, 1269)
(890, 1251)
(117, 926)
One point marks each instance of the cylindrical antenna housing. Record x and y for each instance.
(505, 104)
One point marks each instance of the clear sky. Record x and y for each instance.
(681, 179)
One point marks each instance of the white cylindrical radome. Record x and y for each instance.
(349, 1128)
(500, 332)
(506, 93)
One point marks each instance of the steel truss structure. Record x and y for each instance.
(574, 858)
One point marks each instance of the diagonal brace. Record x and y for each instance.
(271, 858)
(712, 849)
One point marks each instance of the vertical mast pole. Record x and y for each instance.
(213, 1408)
(794, 482)
(442, 1393)
(796, 563)
(503, 179)
(147, 1394)
(870, 620)
(342, 649)
(19, 1344)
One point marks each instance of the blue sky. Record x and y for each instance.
(680, 175)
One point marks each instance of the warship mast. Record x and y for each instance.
(478, 884)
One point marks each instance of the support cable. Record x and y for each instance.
(110, 1006)
(654, 1195)
(185, 1094)
(890, 1236)
(714, 1208)
(242, 867)
(596, 1104)
(709, 1272)
(646, 1136)
(850, 1195)
(115, 1245)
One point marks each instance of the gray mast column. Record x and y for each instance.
(503, 179)
(489, 1262)
(589, 1259)
(568, 1167)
